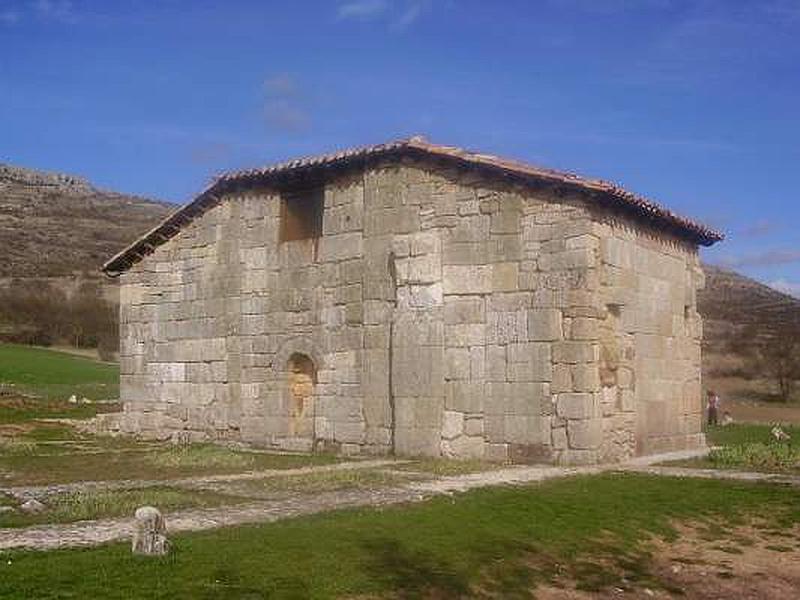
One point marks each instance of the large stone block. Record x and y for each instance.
(464, 396)
(544, 324)
(559, 438)
(496, 363)
(463, 447)
(341, 247)
(585, 377)
(452, 424)
(586, 434)
(577, 406)
(419, 269)
(583, 328)
(423, 296)
(575, 352)
(496, 452)
(505, 276)
(506, 327)
(461, 310)
(530, 361)
(465, 335)
(457, 363)
(562, 379)
(464, 280)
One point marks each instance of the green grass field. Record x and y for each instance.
(54, 375)
(749, 447)
(492, 543)
(746, 433)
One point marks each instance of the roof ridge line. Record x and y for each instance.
(640, 206)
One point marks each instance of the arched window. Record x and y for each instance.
(302, 378)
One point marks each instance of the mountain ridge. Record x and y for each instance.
(54, 224)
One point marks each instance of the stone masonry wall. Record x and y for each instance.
(444, 314)
(650, 341)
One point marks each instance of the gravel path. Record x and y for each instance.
(89, 533)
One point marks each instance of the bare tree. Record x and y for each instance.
(35, 312)
(780, 358)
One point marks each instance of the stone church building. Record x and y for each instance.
(416, 299)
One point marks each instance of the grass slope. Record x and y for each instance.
(51, 374)
(490, 543)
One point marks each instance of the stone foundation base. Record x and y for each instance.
(161, 428)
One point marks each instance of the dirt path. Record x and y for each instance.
(89, 533)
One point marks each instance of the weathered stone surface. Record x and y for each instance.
(544, 324)
(149, 534)
(442, 311)
(452, 424)
(585, 434)
(577, 406)
(505, 276)
(32, 506)
(467, 279)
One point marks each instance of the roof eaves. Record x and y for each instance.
(625, 200)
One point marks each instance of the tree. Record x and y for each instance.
(781, 360)
(36, 312)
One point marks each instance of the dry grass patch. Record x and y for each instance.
(319, 482)
(101, 504)
(16, 446)
(201, 456)
(110, 459)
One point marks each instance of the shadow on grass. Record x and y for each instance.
(413, 573)
(509, 570)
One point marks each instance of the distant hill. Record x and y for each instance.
(738, 311)
(56, 225)
(62, 228)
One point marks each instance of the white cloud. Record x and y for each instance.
(398, 14)
(362, 9)
(9, 17)
(787, 287)
(759, 228)
(761, 259)
(610, 7)
(411, 13)
(284, 104)
(281, 85)
(55, 10)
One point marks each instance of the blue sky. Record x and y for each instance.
(691, 102)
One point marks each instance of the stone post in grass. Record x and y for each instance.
(149, 535)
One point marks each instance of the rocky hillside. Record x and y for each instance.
(739, 311)
(55, 225)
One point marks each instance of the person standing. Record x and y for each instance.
(712, 407)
